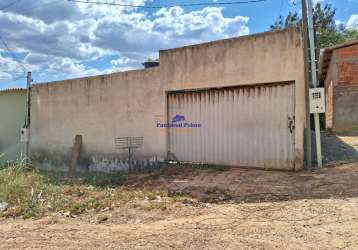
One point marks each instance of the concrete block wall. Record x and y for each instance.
(341, 85)
(345, 109)
(347, 66)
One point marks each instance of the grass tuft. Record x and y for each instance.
(20, 186)
(32, 194)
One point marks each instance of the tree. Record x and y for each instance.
(324, 18)
(328, 33)
(350, 34)
(291, 20)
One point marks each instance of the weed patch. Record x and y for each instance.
(92, 179)
(32, 194)
(21, 187)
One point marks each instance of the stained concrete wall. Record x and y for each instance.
(100, 109)
(124, 104)
(12, 119)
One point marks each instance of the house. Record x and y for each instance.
(339, 74)
(12, 119)
(235, 102)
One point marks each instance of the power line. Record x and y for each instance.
(168, 6)
(9, 5)
(35, 6)
(19, 77)
(15, 77)
(13, 55)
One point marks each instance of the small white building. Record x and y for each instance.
(12, 119)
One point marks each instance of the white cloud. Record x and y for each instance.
(68, 68)
(5, 76)
(339, 22)
(206, 24)
(352, 22)
(63, 36)
(123, 61)
(10, 69)
(9, 64)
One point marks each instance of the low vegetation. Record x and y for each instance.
(20, 187)
(31, 194)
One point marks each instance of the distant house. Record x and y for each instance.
(12, 118)
(339, 73)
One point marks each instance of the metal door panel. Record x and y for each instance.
(240, 126)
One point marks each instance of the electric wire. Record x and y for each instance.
(107, 3)
(35, 6)
(167, 6)
(9, 5)
(7, 48)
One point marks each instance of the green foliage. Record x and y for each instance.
(324, 17)
(327, 38)
(350, 34)
(327, 32)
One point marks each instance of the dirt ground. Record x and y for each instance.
(231, 209)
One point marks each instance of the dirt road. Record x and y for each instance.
(236, 209)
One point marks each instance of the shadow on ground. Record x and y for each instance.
(336, 148)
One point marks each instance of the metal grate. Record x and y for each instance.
(128, 143)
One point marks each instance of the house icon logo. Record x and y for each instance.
(177, 122)
(178, 118)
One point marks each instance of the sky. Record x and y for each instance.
(57, 39)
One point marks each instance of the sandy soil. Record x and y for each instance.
(236, 209)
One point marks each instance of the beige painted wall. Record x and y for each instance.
(129, 104)
(100, 109)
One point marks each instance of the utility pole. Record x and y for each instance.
(27, 121)
(310, 27)
(28, 87)
(307, 83)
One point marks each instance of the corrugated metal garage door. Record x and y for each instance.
(238, 126)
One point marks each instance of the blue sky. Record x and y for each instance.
(56, 39)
